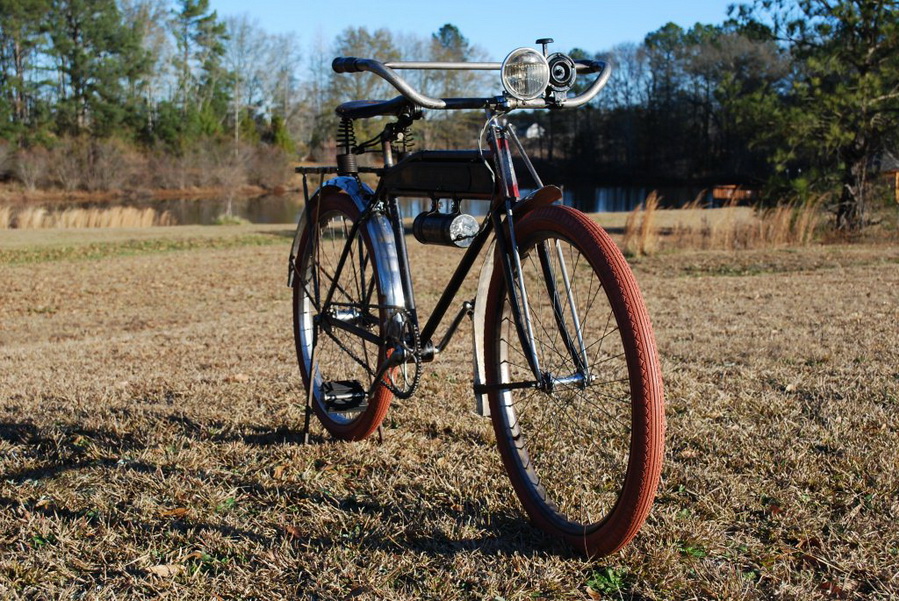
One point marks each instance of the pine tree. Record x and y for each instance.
(200, 39)
(95, 55)
(842, 111)
(22, 25)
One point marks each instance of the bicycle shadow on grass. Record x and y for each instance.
(56, 450)
(503, 534)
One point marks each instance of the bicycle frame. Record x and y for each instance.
(506, 205)
(380, 215)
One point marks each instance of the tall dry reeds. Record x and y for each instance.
(41, 218)
(649, 229)
(30, 219)
(732, 227)
(790, 224)
(640, 237)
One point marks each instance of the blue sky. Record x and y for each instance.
(496, 26)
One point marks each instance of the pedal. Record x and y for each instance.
(344, 396)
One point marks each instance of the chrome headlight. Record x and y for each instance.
(525, 74)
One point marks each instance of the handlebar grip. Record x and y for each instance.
(346, 64)
(590, 66)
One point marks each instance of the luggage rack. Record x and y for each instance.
(333, 169)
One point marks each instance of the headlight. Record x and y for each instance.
(525, 74)
(562, 72)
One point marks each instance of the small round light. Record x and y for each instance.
(562, 72)
(525, 74)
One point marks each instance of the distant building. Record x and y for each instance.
(534, 131)
(732, 194)
(889, 167)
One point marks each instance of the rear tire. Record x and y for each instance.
(340, 355)
(584, 455)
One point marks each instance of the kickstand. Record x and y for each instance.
(308, 415)
(380, 435)
(308, 411)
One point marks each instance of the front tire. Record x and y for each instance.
(584, 454)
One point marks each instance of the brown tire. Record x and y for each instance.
(584, 450)
(340, 356)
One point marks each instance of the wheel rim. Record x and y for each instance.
(570, 445)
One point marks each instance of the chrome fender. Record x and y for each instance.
(384, 251)
(481, 406)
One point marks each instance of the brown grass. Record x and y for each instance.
(27, 218)
(149, 440)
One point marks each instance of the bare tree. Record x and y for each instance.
(244, 53)
(5, 155)
(31, 167)
(150, 18)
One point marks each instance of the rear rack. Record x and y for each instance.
(326, 169)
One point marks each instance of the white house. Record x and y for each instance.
(534, 131)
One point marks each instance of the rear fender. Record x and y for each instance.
(380, 232)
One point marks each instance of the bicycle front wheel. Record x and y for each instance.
(340, 342)
(582, 443)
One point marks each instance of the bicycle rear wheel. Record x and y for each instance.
(583, 448)
(347, 333)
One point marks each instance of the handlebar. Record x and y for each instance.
(387, 72)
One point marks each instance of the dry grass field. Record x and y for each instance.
(150, 436)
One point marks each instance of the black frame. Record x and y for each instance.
(463, 175)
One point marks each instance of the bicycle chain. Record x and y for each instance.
(416, 355)
(386, 381)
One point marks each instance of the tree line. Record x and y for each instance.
(800, 96)
(151, 71)
(166, 93)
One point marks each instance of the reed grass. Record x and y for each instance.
(730, 227)
(30, 219)
(640, 237)
(41, 218)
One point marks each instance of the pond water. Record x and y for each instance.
(285, 208)
(288, 207)
(589, 200)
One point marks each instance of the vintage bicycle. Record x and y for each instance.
(565, 362)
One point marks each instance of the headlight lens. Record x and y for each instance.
(525, 74)
(562, 72)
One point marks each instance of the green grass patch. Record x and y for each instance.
(230, 220)
(103, 250)
(608, 580)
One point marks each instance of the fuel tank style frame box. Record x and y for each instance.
(454, 174)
